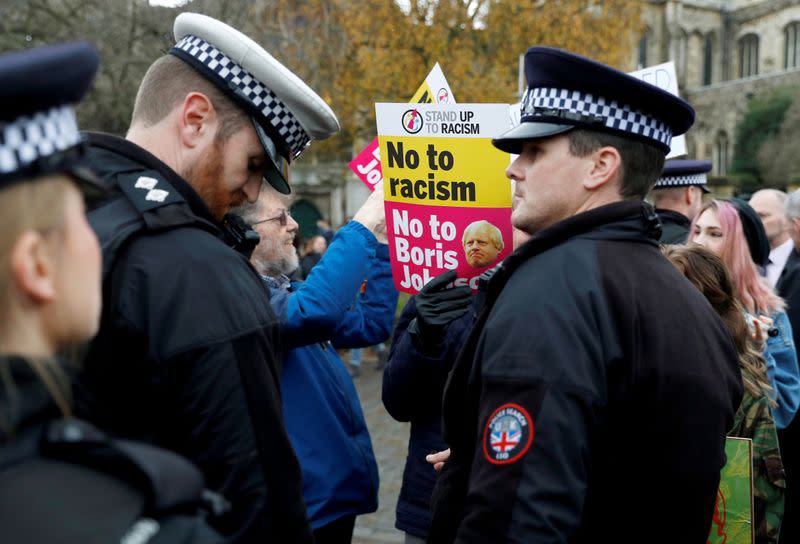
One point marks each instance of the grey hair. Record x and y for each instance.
(792, 205)
(253, 211)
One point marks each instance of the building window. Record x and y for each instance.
(708, 60)
(721, 159)
(792, 52)
(748, 55)
(642, 59)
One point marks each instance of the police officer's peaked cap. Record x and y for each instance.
(286, 113)
(38, 130)
(567, 91)
(684, 173)
(754, 232)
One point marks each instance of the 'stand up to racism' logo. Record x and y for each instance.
(412, 121)
(442, 97)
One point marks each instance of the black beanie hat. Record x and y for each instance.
(754, 231)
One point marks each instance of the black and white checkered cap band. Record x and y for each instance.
(538, 101)
(682, 181)
(33, 137)
(265, 101)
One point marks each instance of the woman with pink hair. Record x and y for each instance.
(732, 230)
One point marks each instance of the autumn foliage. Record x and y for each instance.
(353, 52)
(359, 53)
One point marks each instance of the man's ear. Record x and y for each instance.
(606, 167)
(33, 269)
(197, 120)
(688, 195)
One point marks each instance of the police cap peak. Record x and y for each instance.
(566, 91)
(38, 130)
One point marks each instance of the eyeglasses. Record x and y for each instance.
(283, 218)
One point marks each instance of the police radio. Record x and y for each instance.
(239, 235)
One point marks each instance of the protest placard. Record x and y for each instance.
(434, 90)
(448, 203)
(733, 512)
(664, 77)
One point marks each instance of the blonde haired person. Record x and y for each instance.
(62, 479)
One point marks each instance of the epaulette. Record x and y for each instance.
(146, 203)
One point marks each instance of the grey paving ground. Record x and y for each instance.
(390, 440)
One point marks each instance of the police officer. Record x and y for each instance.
(591, 401)
(186, 356)
(678, 197)
(61, 479)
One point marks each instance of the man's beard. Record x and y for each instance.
(205, 177)
(273, 258)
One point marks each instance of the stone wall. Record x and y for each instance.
(720, 107)
(769, 27)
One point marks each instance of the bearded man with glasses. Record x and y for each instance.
(325, 313)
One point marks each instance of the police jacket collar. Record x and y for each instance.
(671, 216)
(629, 220)
(141, 157)
(30, 399)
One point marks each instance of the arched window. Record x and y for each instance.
(708, 59)
(721, 154)
(643, 45)
(748, 55)
(792, 50)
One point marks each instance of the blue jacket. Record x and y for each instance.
(320, 404)
(782, 370)
(413, 383)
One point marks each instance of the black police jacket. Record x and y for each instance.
(592, 399)
(674, 227)
(63, 480)
(186, 356)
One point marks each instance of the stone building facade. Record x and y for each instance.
(725, 52)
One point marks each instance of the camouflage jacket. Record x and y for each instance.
(754, 420)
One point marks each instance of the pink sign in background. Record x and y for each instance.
(367, 165)
(427, 240)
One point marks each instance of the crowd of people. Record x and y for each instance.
(171, 367)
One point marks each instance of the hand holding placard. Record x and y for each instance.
(372, 214)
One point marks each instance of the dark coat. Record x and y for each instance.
(674, 227)
(592, 399)
(788, 287)
(186, 357)
(413, 385)
(64, 480)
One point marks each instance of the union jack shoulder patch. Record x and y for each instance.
(508, 434)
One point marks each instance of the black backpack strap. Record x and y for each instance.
(46, 500)
(168, 481)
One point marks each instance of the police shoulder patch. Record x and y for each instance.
(508, 434)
